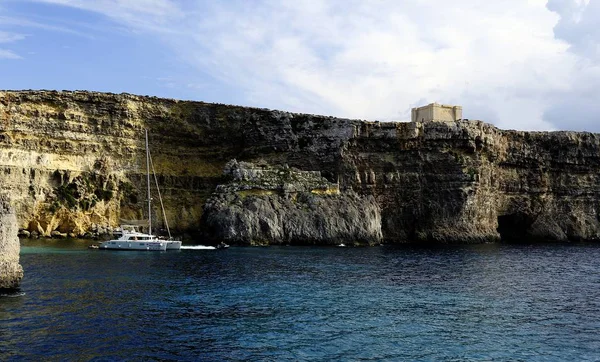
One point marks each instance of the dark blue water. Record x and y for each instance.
(486, 302)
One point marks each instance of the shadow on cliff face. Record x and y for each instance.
(515, 227)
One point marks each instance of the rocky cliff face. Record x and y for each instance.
(74, 162)
(468, 181)
(11, 272)
(262, 205)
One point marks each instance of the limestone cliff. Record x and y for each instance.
(73, 161)
(468, 181)
(261, 205)
(11, 272)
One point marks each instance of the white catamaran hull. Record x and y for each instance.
(134, 245)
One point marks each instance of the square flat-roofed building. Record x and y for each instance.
(436, 112)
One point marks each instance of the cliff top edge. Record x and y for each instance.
(383, 124)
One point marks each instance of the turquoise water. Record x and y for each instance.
(485, 302)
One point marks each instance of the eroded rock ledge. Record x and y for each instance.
(264, 205)
(11, 271)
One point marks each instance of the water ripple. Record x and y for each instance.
(471, 303)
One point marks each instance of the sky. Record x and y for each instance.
(519, 64)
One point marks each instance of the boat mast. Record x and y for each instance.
(148, 182)
(162, 206)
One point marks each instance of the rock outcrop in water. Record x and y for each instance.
(74, 163)
(262, 205)
(11, 271)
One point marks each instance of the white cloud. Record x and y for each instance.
(6, 37)
(578, 25)
(577, 105)
(8, 54)
(6, 21)
(145, 15)
(375, 59)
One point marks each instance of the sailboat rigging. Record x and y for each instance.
(131, 238)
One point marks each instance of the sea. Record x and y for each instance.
(490, 302)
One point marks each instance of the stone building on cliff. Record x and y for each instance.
(436, 112)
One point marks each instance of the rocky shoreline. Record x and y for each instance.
(11, 271)
(94, 233)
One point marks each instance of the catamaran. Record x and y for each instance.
(131, 238)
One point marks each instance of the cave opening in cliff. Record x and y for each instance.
(514, 227)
